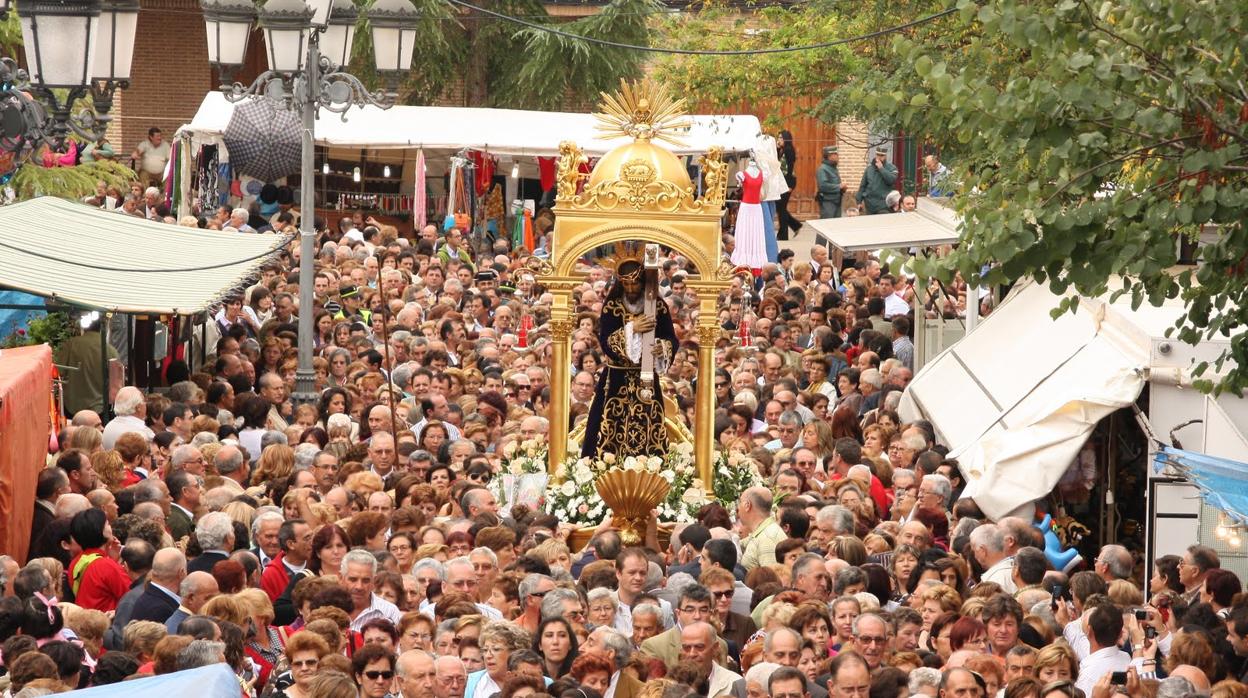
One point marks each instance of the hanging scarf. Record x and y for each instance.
(418, 192)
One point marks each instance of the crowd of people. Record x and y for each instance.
(352, 546)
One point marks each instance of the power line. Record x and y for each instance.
(704, 52)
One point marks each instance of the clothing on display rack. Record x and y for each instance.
(750, 232)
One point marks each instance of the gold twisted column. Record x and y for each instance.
(560, 404)
(562, 322)
(704, 409)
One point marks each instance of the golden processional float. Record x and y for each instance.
(637, 192)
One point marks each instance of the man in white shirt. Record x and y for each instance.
(988, 544)
(698, 646)
(894, 304)
(1103, 626)
(358, 569)
(131, 410)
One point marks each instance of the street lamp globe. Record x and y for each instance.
(228, 24)
(286, 24)
(119, 21)
(321, 10)
(394, 34)
(59, 38)
(339, 35)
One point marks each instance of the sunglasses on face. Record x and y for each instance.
(374, 675)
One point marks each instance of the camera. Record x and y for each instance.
(1150, 632)
(1118, 678)
(1141, 614)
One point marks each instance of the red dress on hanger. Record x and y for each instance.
(750, 234)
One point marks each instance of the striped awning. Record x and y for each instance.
(105, 260)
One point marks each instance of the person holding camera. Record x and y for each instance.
(878, 180)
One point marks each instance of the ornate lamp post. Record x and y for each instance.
(74, 49)
(307, 44)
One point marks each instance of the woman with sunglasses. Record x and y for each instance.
(373, 666)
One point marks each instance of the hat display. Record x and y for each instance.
(349, 292)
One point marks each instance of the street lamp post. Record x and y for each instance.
(74, 49)
(307, 79)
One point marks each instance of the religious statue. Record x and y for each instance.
(636, 333)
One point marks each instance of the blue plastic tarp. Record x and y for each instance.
(1223, 483)
(13, 320)
(216, 681)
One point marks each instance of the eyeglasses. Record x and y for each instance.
(305, 664)
(374, 675)
(722, 594)
(870, 640)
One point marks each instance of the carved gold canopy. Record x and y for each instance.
(640, 190)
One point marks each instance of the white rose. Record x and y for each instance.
(568, 488)
(609, 458)
(581, 473)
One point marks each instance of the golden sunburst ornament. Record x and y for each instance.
(644, 110)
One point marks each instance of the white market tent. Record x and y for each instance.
(930, 224)
(1016, 399)
(104, 260)
(496, 131)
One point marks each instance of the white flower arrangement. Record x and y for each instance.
(520, 459)
(575, 500)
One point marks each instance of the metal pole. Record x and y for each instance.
(305, 377)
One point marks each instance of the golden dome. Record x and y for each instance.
(639, 177)
(638, 162)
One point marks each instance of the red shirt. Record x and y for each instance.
(103, 582)
(275, 578)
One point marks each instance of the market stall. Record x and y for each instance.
(380, 160)
(94, 260)
(25, 424)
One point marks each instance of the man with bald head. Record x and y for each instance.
(451, 679)
(196, 589)
(763, 532)
(232, 467)
(698, 646)
(69, 504)
(382, 457)
(916, 534)
(417, 675)
(87, 418)
(161, 598)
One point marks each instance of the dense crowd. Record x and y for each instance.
(352, 546)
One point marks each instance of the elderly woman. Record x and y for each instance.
(498, 640)
(603, 603)
(415, 632)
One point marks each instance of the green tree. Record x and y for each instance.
(1089, 140)
(729, 82)
(506, 64)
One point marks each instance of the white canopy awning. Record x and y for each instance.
(105, 260)
(931, 223)
(497, 131)
(1016, 399)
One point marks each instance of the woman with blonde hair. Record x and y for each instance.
(276, 461)
(554, 553)
(228, 608)
(241, 512)
(109, 465)
(87, 440)
(1056, 662)
(264, 641)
